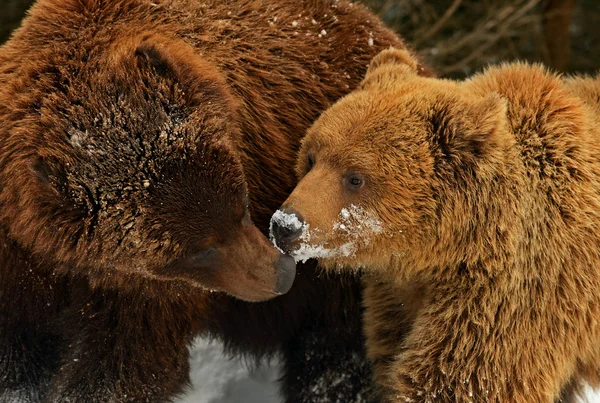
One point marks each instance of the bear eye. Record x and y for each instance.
(354, 181)
(204, 256)
(310, 162)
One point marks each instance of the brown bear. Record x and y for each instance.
(144, 146)
(473, 208)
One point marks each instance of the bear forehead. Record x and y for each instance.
(126, 141)
(103, 146)
(118, 124)
(367, 120)
(375, 115)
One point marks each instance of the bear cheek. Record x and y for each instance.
(204, 268)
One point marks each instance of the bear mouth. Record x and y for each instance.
(247, 267)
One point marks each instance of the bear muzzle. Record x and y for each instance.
(287, 225)
(247, 266)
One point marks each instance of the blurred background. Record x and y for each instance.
(459, 37)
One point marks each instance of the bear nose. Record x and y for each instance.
(286, 226)
(286, 268)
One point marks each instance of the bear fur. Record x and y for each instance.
(473, 208)
(143, 145)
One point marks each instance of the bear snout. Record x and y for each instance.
(286, 226)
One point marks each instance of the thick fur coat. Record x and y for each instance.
(143, 147)
(474, 209)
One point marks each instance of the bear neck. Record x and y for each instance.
(477, 223)
(496, 221)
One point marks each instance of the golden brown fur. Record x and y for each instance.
(482, 252)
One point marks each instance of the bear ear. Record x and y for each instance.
(471, 132)
(176, 60)
(393, 57)
(151, 54)
(389, 65)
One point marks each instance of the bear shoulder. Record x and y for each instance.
(538, 100)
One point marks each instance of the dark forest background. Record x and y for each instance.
(459, 37)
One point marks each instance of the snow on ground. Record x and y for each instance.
(591, 396)
(218, 379)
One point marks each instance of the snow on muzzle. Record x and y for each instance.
(247, 266)
(287, 225)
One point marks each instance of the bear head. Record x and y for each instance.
(118, 155)
(382, 171)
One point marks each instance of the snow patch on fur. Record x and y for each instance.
(354, 223)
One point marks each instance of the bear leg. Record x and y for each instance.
(27, 361)
(121, 348)
(320, 366)
(388, 317)
(473, 343)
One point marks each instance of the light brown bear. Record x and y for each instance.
(474, 209)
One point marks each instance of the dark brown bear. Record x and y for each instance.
(137, 138)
